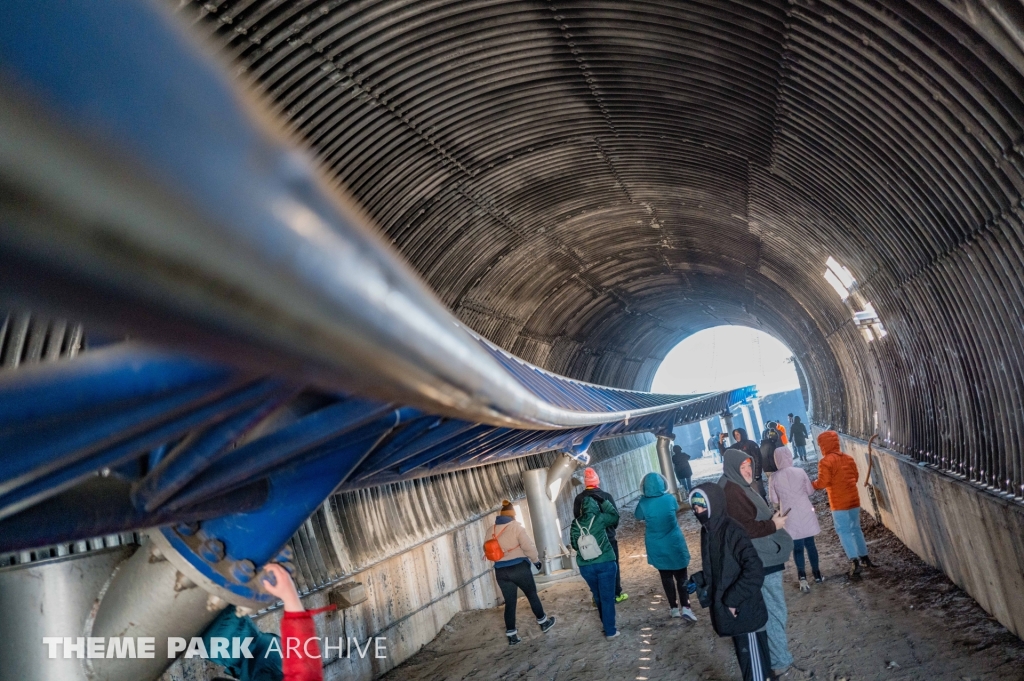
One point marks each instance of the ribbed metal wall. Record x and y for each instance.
(353, 530)
(588, 183)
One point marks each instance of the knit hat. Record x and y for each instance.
(590, 478)
(507, 508)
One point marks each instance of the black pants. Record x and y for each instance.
(752, 654)
(618, 572)
(510, 580)
(670, 579)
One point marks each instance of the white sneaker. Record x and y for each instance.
(804, 586)
(688, 614)
(613, 635)
(673, 612)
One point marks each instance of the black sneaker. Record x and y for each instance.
(547, 624)
(854, 568)
(818, 579)
(866, 562)
(514, 640)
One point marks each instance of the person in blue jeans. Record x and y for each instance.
(599, 572)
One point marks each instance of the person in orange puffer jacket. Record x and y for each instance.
(300, 647)
(837, 473)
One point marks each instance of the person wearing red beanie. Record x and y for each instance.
(592, 483)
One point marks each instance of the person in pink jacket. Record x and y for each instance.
(791, 489)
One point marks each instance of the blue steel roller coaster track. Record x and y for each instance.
(142, 193)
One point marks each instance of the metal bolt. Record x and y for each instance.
(215, 603)
(181, 582)
(243, 570)
(285, 555)
(212, 550)
(186, 529)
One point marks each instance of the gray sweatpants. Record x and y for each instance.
(775, 601)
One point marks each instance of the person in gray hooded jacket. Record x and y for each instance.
(773, 544)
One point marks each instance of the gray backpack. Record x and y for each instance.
(587, 543)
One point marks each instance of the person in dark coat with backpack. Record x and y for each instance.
(592, 483)
(588, 533)
(730, 583)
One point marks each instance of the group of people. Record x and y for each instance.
(798, 435)
(749, 530)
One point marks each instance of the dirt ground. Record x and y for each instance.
(901, 622)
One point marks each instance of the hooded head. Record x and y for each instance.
(796, 420)
(828, 443)
(711, 499)
(783, 457)
(734, 458)
(653, 485)
(676, 449)
(589, 507)
(590, 478)
(507, 509)
(742, 432)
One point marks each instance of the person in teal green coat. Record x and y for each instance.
(666, 547)
(599, 572)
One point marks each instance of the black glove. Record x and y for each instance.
(538, 565)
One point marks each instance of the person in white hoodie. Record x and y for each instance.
(513, 572)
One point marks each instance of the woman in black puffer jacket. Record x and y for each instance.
(732, 576)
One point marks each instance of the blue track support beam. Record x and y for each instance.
(117, 374)
(249, 540)
(271, 451)
(411, 432)
(101, 506)
(199, 412)
(434, 438)
(194, 456)
(43, 449)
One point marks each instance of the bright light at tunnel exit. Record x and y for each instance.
(726, 357)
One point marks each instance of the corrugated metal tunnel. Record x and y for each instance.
(585, 184)
(581, 184)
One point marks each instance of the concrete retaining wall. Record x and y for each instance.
(973, 535)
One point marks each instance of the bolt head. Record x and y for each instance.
(285, 555)
(243, 570)
(186, 529)
(212, 550)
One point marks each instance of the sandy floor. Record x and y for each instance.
(901, 622)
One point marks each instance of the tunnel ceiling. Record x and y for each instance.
(588, 183)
